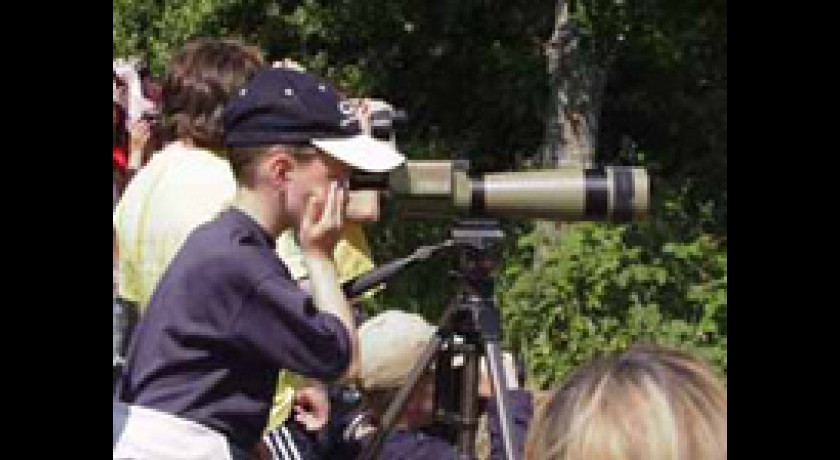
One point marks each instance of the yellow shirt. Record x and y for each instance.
(179, 189)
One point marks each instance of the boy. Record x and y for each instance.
(200, 376)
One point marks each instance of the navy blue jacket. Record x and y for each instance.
(223, 320)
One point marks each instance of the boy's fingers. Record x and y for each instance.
(337, 210)
(329, 208)
(340, 202)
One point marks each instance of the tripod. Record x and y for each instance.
(472, 316)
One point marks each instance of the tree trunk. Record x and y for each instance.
(577, 76)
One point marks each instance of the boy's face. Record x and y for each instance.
(312, 175)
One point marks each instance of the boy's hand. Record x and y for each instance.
(323, 219)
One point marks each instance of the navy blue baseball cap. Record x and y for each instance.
(286, 106)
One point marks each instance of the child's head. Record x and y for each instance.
(289, 134)
(391, 343)
(648, 402)
(202, 76)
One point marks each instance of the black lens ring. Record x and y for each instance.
(478, 194)
(623, 197)
(597, 197)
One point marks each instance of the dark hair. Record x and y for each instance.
(201, 78)
(243, 160)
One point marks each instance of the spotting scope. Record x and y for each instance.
(446, 188)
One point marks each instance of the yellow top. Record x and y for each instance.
(179, 189)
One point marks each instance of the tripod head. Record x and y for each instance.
(477, 234)
(477, 240)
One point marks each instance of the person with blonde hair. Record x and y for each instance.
(649, 402)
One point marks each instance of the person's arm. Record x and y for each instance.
(280, 323)
(319, 231)
(311, 335)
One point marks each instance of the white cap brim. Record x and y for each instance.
(362, 152)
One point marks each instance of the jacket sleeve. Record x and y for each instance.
(280, 324)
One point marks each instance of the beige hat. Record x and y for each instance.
(391, 343)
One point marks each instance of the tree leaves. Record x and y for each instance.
(604, 288)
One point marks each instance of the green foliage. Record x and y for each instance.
(153, 29)
(607, 286)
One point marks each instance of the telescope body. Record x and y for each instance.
(442, 188)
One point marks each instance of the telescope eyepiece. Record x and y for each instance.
(360, 180)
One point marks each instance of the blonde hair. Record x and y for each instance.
(649, 402)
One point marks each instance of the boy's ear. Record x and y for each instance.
(278, 165)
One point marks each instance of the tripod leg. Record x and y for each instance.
(499, 381)
(487, 335)
(469, 398)
(398, 403)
